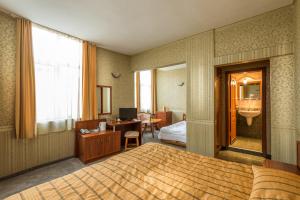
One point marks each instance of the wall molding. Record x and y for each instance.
(268, 52)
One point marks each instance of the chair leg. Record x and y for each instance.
(152, 130)
(126, 143)
(137, 142)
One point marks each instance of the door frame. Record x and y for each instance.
(235, 68)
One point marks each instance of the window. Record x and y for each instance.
(58, 64)
(145, 91)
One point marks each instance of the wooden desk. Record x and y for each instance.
(93, 146)
(124, 126)
(281, 166)
(152, 123)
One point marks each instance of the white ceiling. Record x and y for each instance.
(132, 26)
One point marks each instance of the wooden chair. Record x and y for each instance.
(131, 135)
(144, 116)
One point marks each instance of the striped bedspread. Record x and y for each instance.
(152, 171)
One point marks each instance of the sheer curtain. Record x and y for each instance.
(145, 91)
(58, 69)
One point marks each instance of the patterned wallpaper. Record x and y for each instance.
(283, 124)
(172, 53)
(266, 30)
(297, 64)
(283, 92)
(267, 36)
(7, 69)
(123, 87)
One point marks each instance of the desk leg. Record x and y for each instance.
(114, 128)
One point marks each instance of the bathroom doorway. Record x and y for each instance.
(244, 104)
(240, 102)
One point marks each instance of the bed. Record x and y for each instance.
(174, 133)
(151, 171)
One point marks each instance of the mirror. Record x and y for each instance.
(104, 96)
(250, 90)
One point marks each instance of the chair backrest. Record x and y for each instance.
(143, 116)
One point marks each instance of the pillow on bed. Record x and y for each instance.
(274, 184)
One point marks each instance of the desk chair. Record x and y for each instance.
(131, 135)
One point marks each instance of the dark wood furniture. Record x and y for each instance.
(124, 126)
(93, 146)
(281, 166)
(166, 118)
(85, 124)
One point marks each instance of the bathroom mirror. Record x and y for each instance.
(249, 90)
(104, 96)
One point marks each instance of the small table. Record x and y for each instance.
(152, 122)
(281, 166)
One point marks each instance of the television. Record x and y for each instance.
(127, 113)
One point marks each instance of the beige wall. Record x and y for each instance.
(18, 155)
(171, 95)
(123, 87)
(267, 36)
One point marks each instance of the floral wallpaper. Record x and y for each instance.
(283, 92)
(267, 30)
(7, 69)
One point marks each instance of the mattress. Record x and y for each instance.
(174, 132)
(151, 171)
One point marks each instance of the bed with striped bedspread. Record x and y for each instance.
(151, 171)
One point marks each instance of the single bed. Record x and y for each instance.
(151, 171)
(175, 133)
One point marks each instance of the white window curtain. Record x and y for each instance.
(58, 72)
(145, 91)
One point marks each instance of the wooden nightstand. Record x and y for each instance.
(281, 166)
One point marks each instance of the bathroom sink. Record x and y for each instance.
(249, 114)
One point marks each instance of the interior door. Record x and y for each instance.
(218, 111)
(232, 110)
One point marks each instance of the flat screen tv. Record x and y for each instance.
(127, 113)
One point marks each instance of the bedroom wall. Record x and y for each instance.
(123, 87)
(297, 66)
(19, 155)
(267, 36)
(15, 154)
(171, 95)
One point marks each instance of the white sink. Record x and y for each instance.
(249, 114)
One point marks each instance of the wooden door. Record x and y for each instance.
(218, 110)
(232, 111)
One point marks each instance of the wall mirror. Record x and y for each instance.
(104, 95)
(250, 91)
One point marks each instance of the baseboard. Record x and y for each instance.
(33, 168)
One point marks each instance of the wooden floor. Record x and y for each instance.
(240, 158)
(247, 143)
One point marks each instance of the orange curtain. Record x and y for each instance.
(153, 91)
(25, 82)
(89, 98)
(137, 91)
